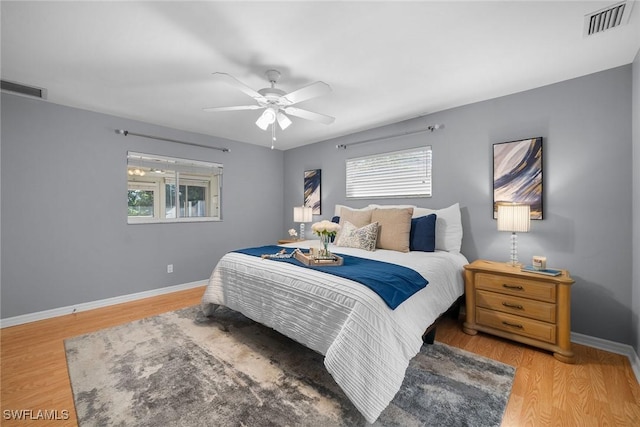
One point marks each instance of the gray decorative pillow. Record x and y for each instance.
(362, 238)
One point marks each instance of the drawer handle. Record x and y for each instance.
(516, 306)
(514, 287)
(513, 325)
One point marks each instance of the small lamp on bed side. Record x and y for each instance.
(302, 214)
(514, 217)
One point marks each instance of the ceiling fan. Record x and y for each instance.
(276, 103)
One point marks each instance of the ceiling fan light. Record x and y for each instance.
(266, 118)
(261, 123)
(283, 120)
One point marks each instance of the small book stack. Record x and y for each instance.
(545, 271)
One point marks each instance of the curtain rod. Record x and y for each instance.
(428, 129)
(126, 133)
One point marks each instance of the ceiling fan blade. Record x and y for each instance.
(309, 115)
(229, 79)
(307, 92)
(236, 108)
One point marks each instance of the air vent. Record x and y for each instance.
(607, 18)
(20, 89)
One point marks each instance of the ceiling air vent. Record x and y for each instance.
(607, 18)
(20, 89)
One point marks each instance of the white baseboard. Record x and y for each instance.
(48, 314)
(611, 346)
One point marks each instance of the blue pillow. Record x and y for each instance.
(422, 236)
(335, 219)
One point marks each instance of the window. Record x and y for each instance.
(143, 199)
(168, 189)
(405, 173)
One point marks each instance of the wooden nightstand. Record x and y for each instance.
(531, 308)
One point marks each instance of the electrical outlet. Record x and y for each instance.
(169, 268)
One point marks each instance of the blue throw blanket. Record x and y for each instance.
(393, 283)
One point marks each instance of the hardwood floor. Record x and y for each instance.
(599, 390)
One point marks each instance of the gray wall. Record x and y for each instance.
(636, 201)
(65, 238)
(586, 126)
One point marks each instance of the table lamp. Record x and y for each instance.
(516, 218)
(302, 214)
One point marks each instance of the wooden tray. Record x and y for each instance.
(307, 259)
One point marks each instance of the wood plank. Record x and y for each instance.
(34, 372)
(600, 389)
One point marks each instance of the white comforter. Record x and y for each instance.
(367, 346)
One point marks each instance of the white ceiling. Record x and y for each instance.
(386, 61)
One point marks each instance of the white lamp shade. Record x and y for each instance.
(302, 214)
(514, 217)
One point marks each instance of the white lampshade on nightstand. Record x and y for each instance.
(516, 218)
(302, 214)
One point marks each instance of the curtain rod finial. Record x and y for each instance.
(122, 132)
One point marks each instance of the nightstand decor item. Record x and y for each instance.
(539, 262)
(302, 214)
(529, 307)
(513, 217)
(547, 271)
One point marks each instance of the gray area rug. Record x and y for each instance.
(183, 369)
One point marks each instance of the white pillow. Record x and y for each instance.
(448, 226)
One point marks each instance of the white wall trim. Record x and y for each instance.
(55, 312)
(611, 346)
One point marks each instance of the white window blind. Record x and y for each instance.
(405, 173)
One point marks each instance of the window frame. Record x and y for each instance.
(198, 176)
(375, 183)
(146, 186)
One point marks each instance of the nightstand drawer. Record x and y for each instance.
(519, 306)
(517, 286)
(517, 325)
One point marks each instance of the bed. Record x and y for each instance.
(366, 344)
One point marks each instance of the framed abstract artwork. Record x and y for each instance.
(312, 197)
(517, 174)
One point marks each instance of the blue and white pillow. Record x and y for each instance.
(362, 238)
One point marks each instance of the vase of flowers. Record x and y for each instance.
(326, 230)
